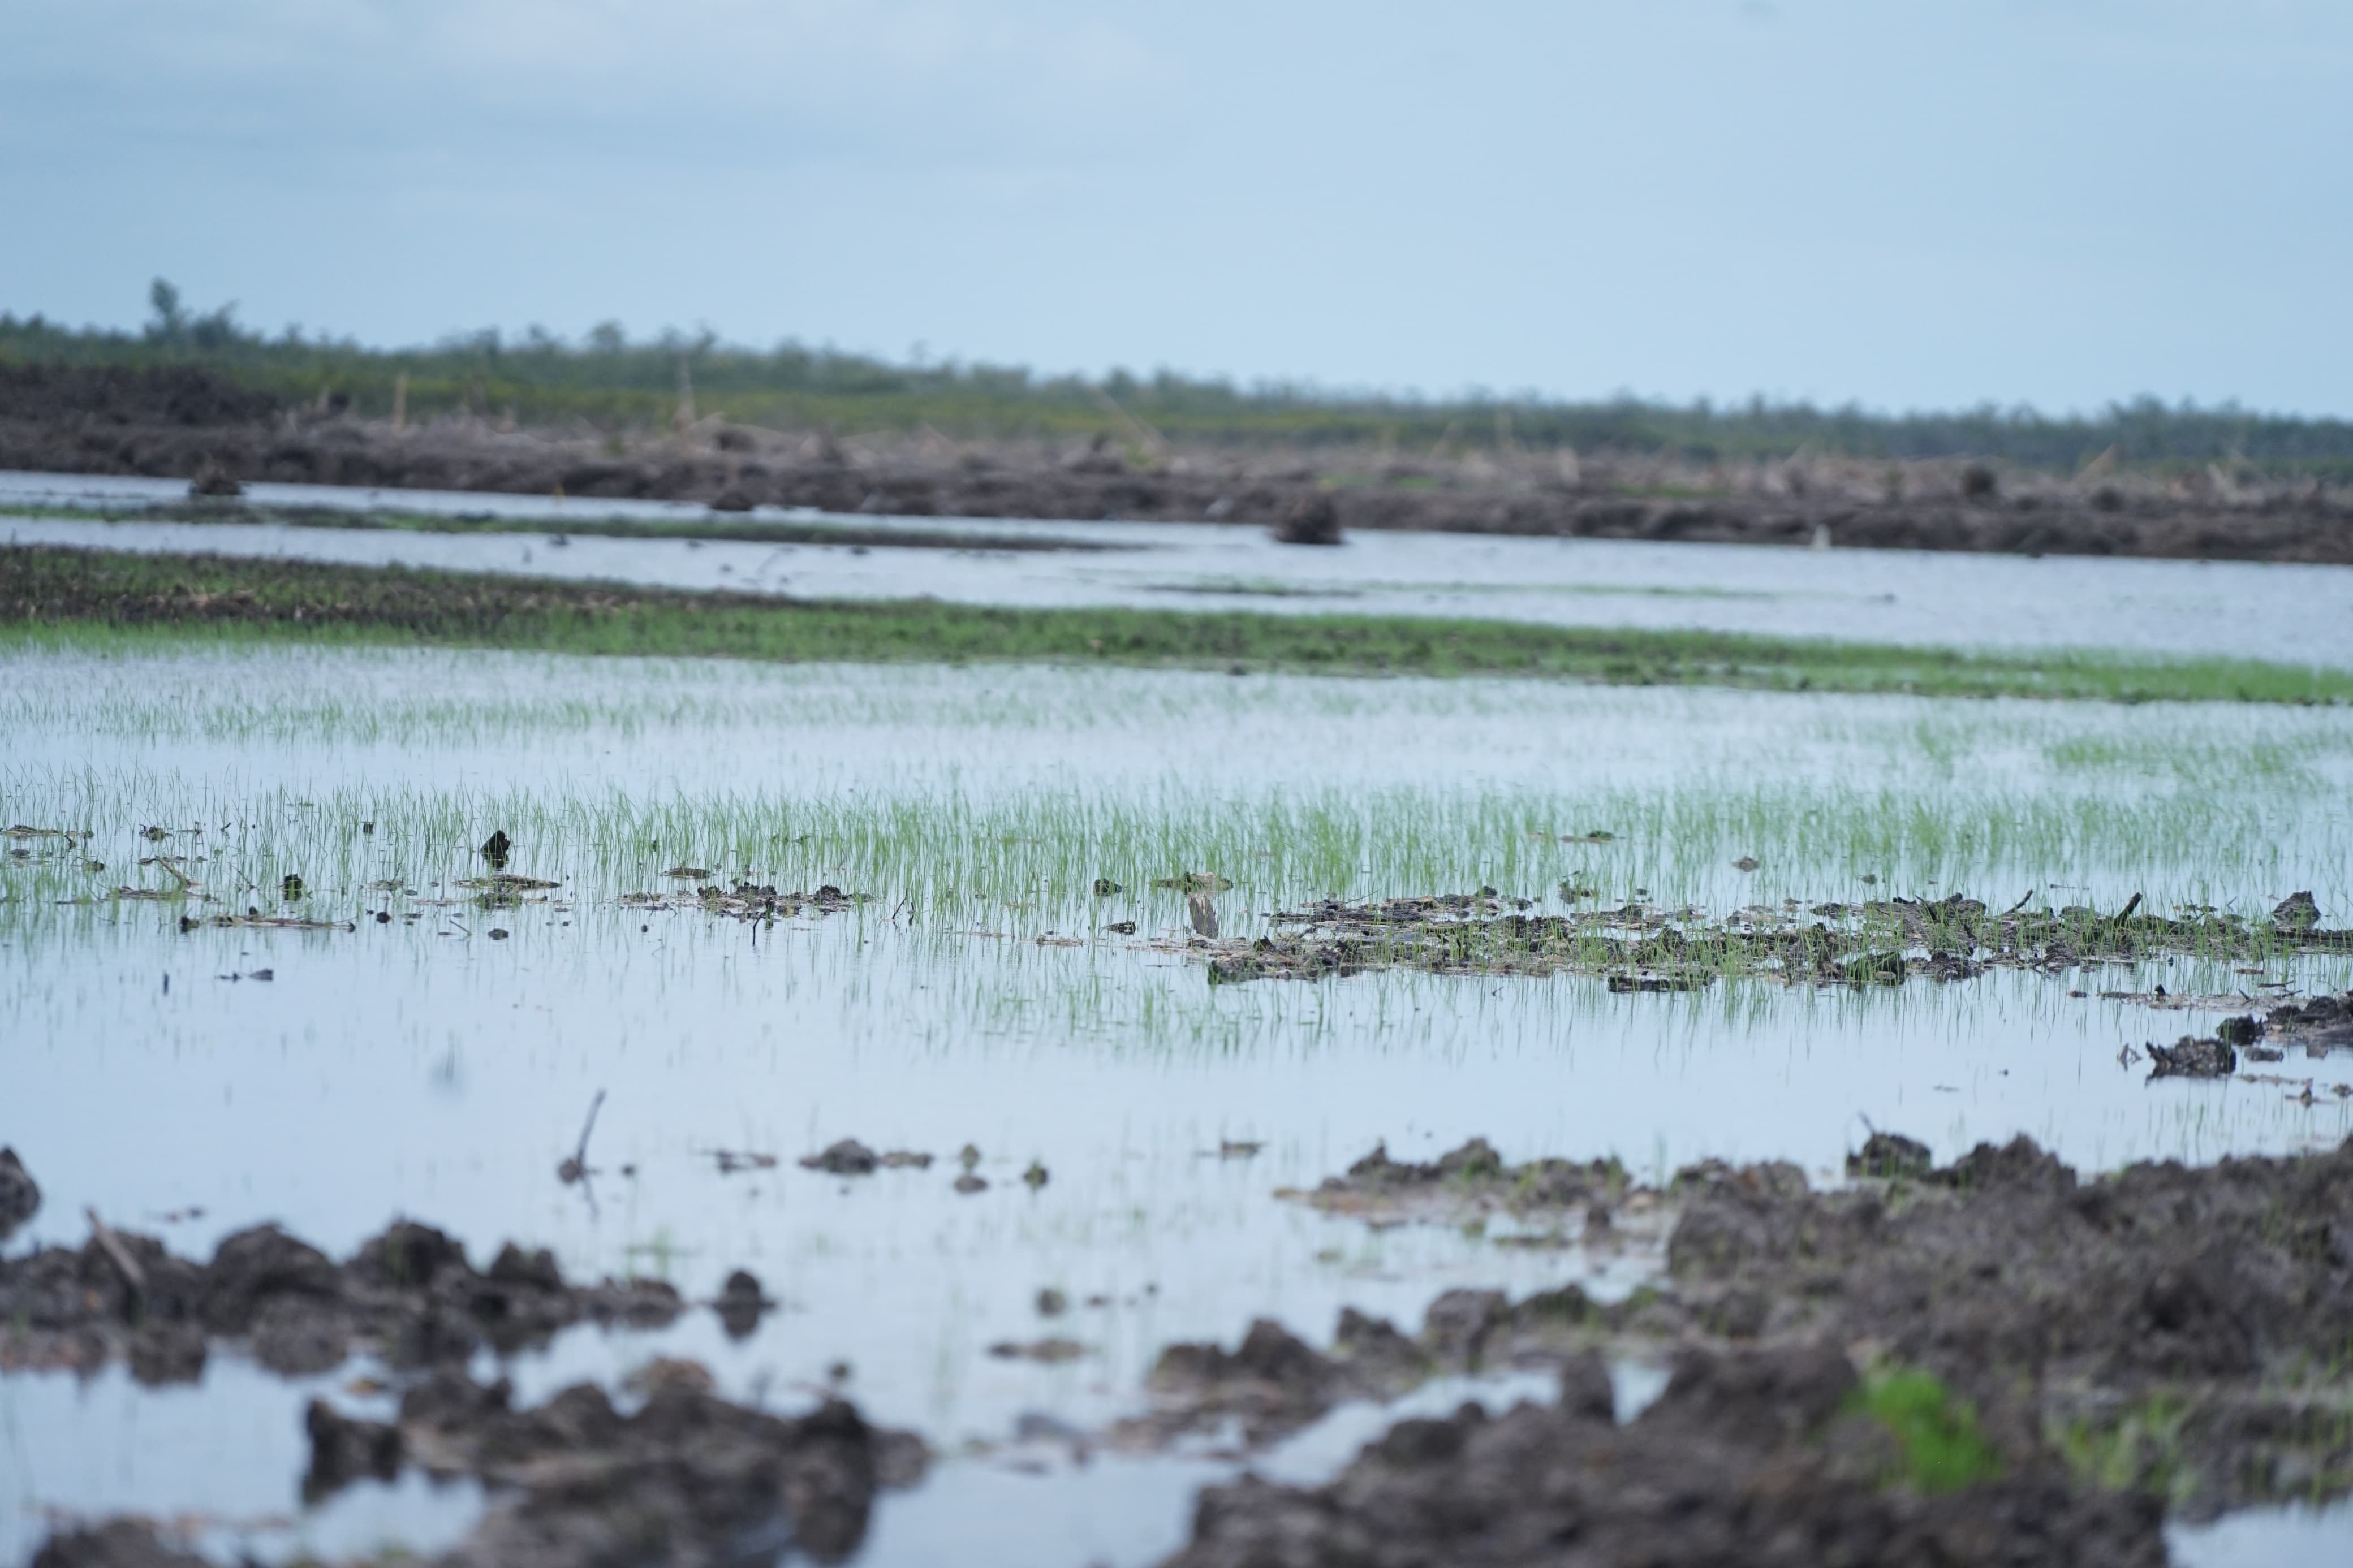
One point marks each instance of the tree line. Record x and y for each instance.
(613, 381)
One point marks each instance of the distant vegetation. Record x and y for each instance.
(613, 382)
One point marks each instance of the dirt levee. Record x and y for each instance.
(178, 422)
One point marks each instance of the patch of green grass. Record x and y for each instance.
(1943, 1449)
(50, 595)
(714, 527)
(2139, 1449)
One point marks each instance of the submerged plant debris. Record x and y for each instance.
(1644, 947)
(747, 900)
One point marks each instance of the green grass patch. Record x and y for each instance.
(1943, 1449)
(2138, 1448)
(50, 595)
(714, 527)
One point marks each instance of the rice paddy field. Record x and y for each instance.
(257, 968)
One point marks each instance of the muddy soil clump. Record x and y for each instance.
(1273, 1383)
(408, 1295)
(2171, 1329)
(688, 1478)
(20, 1196)
(1757, 1456)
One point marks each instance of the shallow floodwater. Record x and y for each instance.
(2291, 613)
(422, 1067)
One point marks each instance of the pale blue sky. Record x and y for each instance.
(2058, 202)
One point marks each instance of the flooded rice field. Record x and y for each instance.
(2291, 614)
(658, 964)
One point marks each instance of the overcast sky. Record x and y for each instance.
(1910, 204)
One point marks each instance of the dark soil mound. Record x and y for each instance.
(688, 1478)
(20, 1196)
(1761, 1457)
(408, 1294)
(1312, 520)
(2171, 1329)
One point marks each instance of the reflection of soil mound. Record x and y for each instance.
(408, 1295)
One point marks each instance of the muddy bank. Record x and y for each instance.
(1645, 947)
(184, 424)
(685, 1478)
(2171, 1332)
(408, 1295)
(1765, 1457)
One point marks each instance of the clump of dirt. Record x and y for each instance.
(2170, 1329)
(1762, 1457)
(118, 1543)
(2317, 1026)
(2190, 1057)
(1473, 1182)
(1273, 1383)
(848, 1157)
(1051, 1351)
(742, 1304)
(20, 1196)
(408, 1294)
(1643, 947)
(2070, 1309)
(1311, 519)
(690, 1478)
(748, 900)
(213, 480)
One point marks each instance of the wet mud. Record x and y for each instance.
(408, 1295)
(2162, 1339)
(686, 1478)
(185, 423)
(1644, 947)
(1759, 1456)
(1273, 1383)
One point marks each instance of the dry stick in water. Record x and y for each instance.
(111, 1244)
(2020, 904)
(576, 1168)
(2126, 913)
